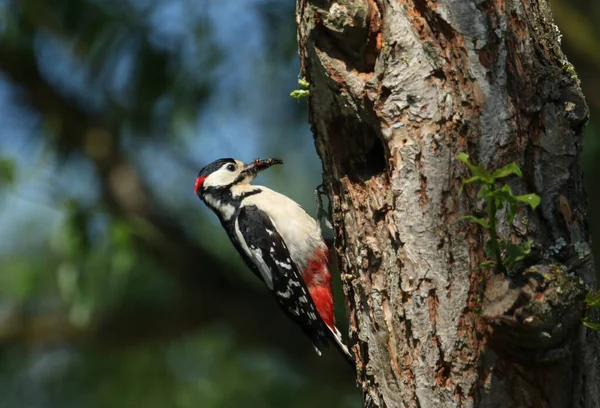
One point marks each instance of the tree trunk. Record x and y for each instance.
(397, 90)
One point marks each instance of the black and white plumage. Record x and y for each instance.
(258, 239)
(278, 241)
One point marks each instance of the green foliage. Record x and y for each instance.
(504, 254)
(7, 172)
(515, 253)
(481, 221)
(100, 272)
(303, 92)
(208, 369)
(592, 300)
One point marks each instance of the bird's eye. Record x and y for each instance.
(231, 167)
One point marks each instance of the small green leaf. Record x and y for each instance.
(479, 171)
(507, 170)
(487, 264)
(593, 299)
(484, 192)
(469, 181)
(532, 199)
(481, 221)
(303, 83)
(473, 180)
(592, 325)
(512, 210)
(506, 190)
(463, 157)
(515, 253)
(299, 94)
(476, 170)
(503, 195)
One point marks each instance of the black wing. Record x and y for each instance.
(268, 256)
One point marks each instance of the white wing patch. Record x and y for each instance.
(256, 255)
(286, 265)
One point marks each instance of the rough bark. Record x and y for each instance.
(397, 89)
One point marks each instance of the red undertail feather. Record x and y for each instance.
(318, 281)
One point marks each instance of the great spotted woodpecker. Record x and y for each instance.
(278, 241)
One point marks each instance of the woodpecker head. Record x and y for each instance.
(223, 174)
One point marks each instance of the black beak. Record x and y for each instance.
(259, 165)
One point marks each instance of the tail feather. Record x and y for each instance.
(340, 345)
(339, 342)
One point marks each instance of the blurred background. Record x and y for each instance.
(117, 287)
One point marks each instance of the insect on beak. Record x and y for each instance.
(258, 165)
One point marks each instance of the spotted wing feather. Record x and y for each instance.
(268, 256)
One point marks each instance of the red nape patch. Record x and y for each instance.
(199, 182)
(318, 282)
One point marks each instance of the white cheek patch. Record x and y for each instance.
(226, 210)
(221, 178)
